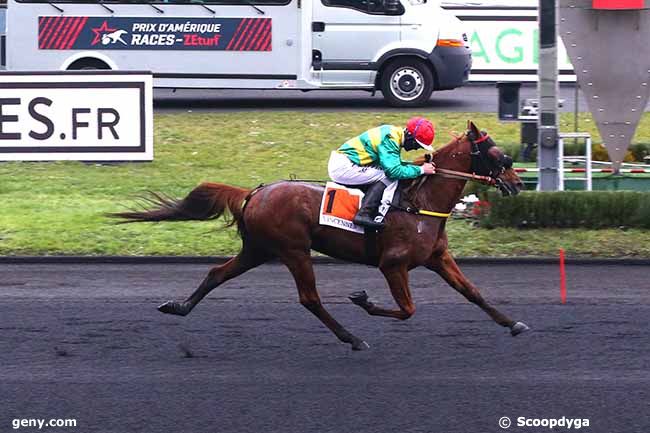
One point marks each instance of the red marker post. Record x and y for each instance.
(562, 277)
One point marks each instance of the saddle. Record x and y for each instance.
(340, 204)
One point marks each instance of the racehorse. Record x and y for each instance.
(281, 221)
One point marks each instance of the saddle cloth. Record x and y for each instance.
(340, 204)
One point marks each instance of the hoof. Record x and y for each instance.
(359, 298)
(518, 328)
(360, 345)
(171, 307)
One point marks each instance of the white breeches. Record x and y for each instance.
(345, 172)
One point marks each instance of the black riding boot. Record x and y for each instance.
(371, 201)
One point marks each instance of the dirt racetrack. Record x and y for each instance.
(86, 342)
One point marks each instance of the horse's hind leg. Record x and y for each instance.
(234, 267)
(300, 266)
(446, 267)
(398, 282)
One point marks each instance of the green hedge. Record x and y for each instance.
(596, 209)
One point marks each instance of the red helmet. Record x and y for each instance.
(422, 130)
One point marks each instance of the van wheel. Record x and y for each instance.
(407, 83)
(87, 64)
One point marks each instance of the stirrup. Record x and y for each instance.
(367, 221)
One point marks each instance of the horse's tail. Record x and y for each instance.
(206, 201)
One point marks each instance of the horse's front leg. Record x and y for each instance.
(445, 265)
(397, 277)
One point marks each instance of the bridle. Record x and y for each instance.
(485, 170)
(481, 162)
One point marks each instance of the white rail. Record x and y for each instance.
(586, 158)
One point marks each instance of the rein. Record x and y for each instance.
(453, 174)
(477, 158)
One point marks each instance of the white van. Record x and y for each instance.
(405, 48)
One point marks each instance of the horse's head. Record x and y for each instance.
(475, 155)
(488, 159)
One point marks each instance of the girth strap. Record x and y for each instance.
(416, 211)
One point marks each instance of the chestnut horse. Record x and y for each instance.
(280, 221)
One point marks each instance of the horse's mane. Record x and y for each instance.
(410, 187)
(441, 151)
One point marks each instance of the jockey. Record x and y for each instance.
(374, 158)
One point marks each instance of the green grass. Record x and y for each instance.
(56, 208)
(465, 240)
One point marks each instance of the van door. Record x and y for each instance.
(348, 34)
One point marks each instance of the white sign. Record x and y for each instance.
(505, 41)
(81, 115)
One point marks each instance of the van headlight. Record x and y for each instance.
(450, 43)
